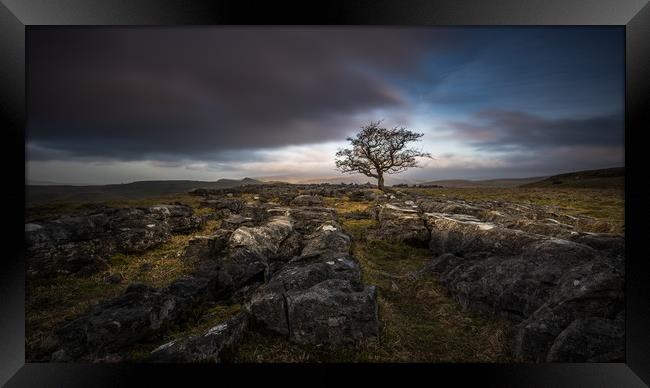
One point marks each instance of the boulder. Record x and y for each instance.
(248, 255)
(306, 220)
(263, 241)
(332, 312)
(325, 257)
(234, 205)
(543, 289)
(289, 248)
(205, 347)
(401, 223)
(608, 243)
(290, 266)
(268, 306)
(180, 218)
(328, 241)
(561, 288)
(114, 324)
(430, 205)
(590, 340)
(593, 289)
(234, 221)
(300, 274)
(256, 212)
(84, 243)
(207, 247)
(308, 200)
(362, 195)
(460, 234)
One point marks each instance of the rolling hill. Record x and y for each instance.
(603, 178)
(345, 179)
(38, 194)
(463, 183)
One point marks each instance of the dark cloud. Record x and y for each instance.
(500, 130)
(206, 102)
(136, 93)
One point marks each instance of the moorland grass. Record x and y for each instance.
(605, 204)
(58, 208)
(50, 302)
(418, 320)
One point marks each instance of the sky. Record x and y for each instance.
(122, 104)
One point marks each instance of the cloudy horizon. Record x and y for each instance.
(116, 105)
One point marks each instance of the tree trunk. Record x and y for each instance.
(380, 182)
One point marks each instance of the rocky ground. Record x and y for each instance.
(325, 273)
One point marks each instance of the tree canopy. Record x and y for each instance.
(377, 151)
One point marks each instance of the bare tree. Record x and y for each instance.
(377, 151)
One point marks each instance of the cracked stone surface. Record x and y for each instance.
(285, 257)
(529, 264)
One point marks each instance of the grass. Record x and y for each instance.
(57, 208)
(609, 177)
(51, 302)
(607, 204)
(344, 206)
(418, 321)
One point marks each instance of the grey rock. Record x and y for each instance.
(332, 312)
(328, 241)
(84, 243)
(363, 195)
(299, 252)
(460, 234)
(205, 347)
(561, 287)
(308, 200)
(207, 247)
(308, 219)
(289, 248)
(234, 221)
(584, 340)
(232, 204)
(263, 241)
(593, 289)
(401, 223)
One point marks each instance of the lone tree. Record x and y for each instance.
(377, 150)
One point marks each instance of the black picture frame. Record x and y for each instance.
(17, 15)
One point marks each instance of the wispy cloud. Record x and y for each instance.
(204, 103)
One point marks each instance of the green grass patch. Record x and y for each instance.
(118, 259)
(61, 207)
(51, 302)
(419, 322)
(607, 204)
(344, 205)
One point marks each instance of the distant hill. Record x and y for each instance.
(604, 178)
(45, 183)
(39, 194)
(347, 179)
(504, 183)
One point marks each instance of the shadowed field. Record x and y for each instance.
(418, 320)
